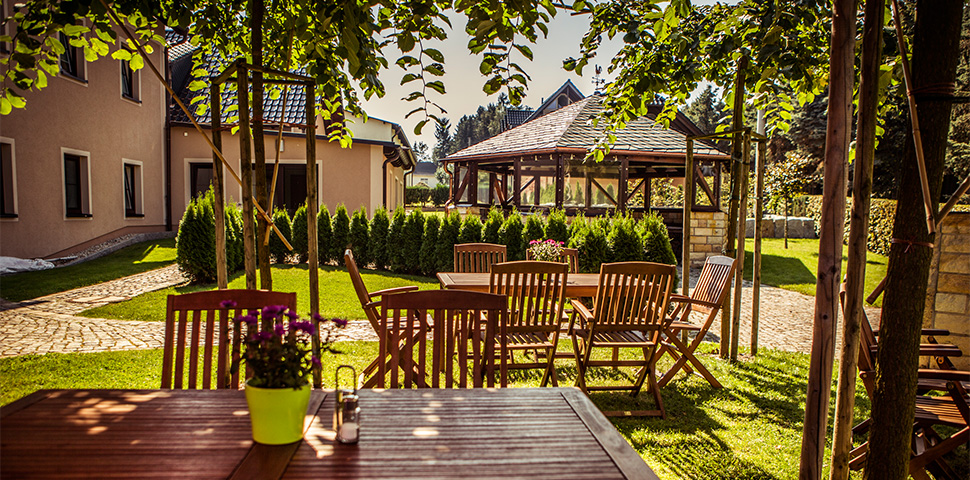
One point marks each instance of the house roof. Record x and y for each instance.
(571, 93)
(569, 129)
(425, 168)
(514, 118)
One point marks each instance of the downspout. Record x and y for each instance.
(384, 186)
(168, 145)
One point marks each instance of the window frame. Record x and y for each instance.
(133, 84)
(75, 59)
(83, 170)
(133, 192)
(9, 206)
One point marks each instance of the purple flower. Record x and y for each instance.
(341, 322)
(273, 310)
(249, 319)
(292, 315)
(302, 327)
(264, 336)
(253, 313)
(315, 361)
(317, 317)
(279, 330)
(227, 304)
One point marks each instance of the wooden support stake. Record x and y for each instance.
(313, 261)
(759, 192)
(685, 231)
(246, 166)
(218, 182)
(738, 124)
(742, 214)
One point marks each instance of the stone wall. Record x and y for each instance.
(708, 236)
(948, 293)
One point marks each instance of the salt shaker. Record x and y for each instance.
(346, 410)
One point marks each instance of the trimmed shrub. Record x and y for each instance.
(359, 241)
(277, 249)
(299, 236)
(533, 230)
(511, 235)
(411, 246)
(439, 194)
(626, 245)
(377, 247)
(326, 251)
(235, 246)
(416, 194)
(493, 225)
(656, 241)
(447, 238)
(590, 239)
(429, 246)
(341, 232)
(471, 230)
(195, 243)
(556, 227)
(395, 239)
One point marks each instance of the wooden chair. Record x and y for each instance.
(569, 256)
(478, 257)
(461, 352)
(629, 312)
(371, 309)
(535, 292)
(192, 320)
(706, 299)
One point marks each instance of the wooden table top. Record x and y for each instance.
(577, 284)
(423, 433)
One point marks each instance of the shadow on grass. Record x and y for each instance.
(777, 270)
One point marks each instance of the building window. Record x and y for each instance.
(133, 189)
(200, 178)
(71, 59)
(8, 186)
(76, 187)
(129, 82)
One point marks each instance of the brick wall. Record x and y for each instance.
(708, 236)
(948, 293)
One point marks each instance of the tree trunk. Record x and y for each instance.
(935, 56)
(259, 146)
(732, 226)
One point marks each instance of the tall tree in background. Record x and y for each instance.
(936, 46)
(706, 110)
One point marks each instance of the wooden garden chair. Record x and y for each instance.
(536, 295)
(197, 332)
(478, 257)
(706, 300)
(629, 312)
(462, 352)
(569, 256)
(370, 302)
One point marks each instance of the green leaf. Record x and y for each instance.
(5, 106)
(75, 30)
(405, 41)
(136, 62)
(121, 54)
(435, 54)
(412, 112)
(41, 79)
(437, 86)
(408, 78)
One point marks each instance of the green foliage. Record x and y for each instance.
(626, 245)
(195, 243)
(416, 195)
(395, 241)
(379, 226)
(594, 249)
(300, 242)
(359, 238)
(235, 243)
(785, 180)
(556, 227)
(665, 194)
(511, 235)
(533, 229)
(447, 238)
(429, 246)
(471, 129)
(471, 230)
(411, 246)
(493, 226)
(656, 242)
(882, 214)
(341, 232)
(276, 248)
(326, 248)
(439, 194)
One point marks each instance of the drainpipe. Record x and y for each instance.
(384, 186)
(168, 146)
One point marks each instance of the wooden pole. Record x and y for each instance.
(246, 167)
(218, 182)
(839, 125)
(685, 235)
(742, 217)
(855, 270)
(311, 211)
(759, 185)
(259, 142)
(730, 250)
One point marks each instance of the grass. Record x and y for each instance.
(130, 260)
(795, 268)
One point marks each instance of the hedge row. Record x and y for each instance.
(420, 194)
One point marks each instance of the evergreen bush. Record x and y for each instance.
(341, 232)
(533, 229)
(439, 194)
(300, 241)
(511, 235)
(556, 227)
(326, 250)
(590, 239)
(411, 247)
(447, 238)
(359, 241)
(395, 237)
(493, 226)
(277, 250)
(416, 195)
(429, 246)
(626, 245)
(379, 226)
(195, 242)
(471, 230)
(656, 241)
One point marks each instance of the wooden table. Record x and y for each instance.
(423, 433)
(577, 284)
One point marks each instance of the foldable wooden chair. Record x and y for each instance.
(706, 299)
(535, 291)
(478, 257)
(371, 309)
(629, 312)
(461, 353)
(569, 256)
(193, 319)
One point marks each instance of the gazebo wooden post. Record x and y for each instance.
(560, 181)
(732, 227)
(219, 206)
(621, 188)
(759, 192)
(742, 214)
(517, 182)
(647, 192)
(589, 191)
(472, 186)
(313, 261)
(492, 185)
(245, 155)
(685, 231)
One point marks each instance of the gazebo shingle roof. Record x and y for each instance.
(569, 128)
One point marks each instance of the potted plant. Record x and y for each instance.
(545, 250)
(279, 359)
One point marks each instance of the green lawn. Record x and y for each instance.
(130, 260)
(795, 268)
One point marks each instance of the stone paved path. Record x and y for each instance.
(47, 324)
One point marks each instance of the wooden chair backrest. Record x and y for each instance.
(458, 339)
(569, 256)
(712, 284)
(478, 257)
(193, 319)
(633, 296)
(370, 309)
(536, 293)
(867, 340)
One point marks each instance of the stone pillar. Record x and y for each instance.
(708, 236)
(948, 293)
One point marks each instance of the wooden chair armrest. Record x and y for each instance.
(694, 301)
(676, 297)
(926, 332)
(582, 311)
(949, 375)
(388, 291)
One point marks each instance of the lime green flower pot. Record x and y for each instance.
(277, 414)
